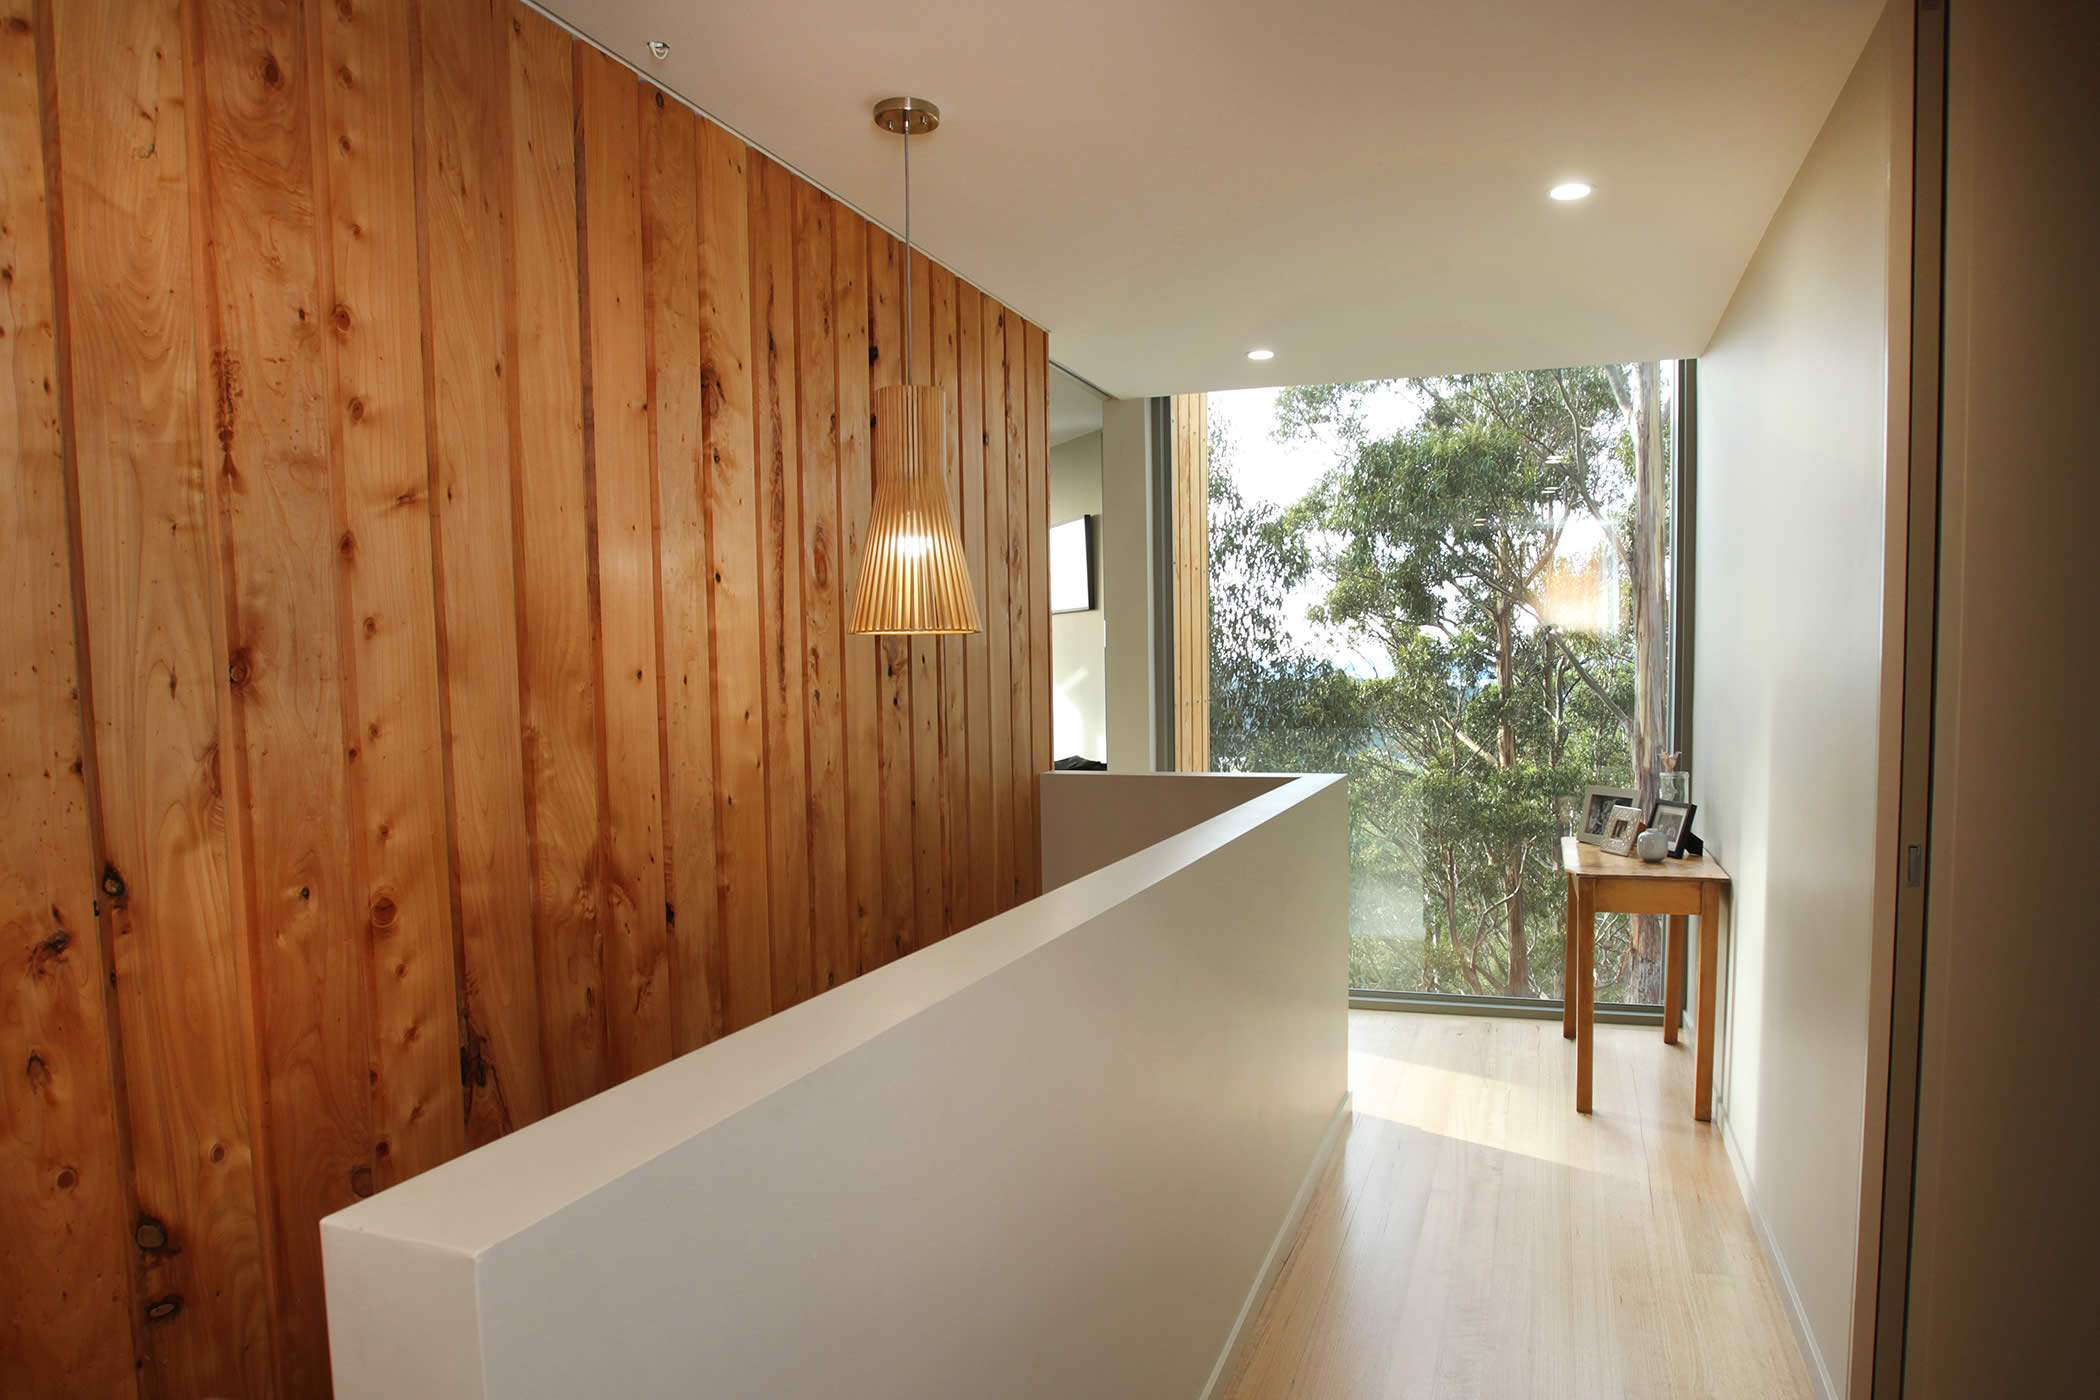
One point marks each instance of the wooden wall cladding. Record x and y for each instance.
(433, 466)
(1191, 565)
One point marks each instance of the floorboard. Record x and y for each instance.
(1476, 1237)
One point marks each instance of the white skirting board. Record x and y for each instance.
(1279, 1250)
(1818, 1369)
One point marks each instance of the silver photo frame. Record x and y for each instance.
(1625, 825)
(1597, 804)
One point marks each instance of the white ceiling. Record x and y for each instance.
(1359, 185)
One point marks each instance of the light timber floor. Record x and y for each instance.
(1475, 1236)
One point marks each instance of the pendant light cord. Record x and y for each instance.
(907, 249)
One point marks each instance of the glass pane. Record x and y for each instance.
(1456, 590)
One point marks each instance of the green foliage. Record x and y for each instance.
(1275, 708)
(1436, 549)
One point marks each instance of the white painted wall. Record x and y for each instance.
(1126, 566)
(2007, 1220)
(1092, 820)
(1788, 685)
(1050, 1156)
(1078, 641)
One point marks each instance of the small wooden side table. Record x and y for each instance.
(1602, 883)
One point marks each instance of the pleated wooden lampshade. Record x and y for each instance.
(913, 578)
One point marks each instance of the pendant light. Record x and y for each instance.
(913, 577)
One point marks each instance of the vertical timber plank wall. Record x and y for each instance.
(464, 191)
(67, 1275)
(994, 605)
(928, 797)
(147, 577)
(635, 940)
(433, 467)
(977, 673)
(859, 669)
(1191, 571)
(780, 572)
(685, 617)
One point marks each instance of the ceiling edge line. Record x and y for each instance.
(770, 154)
(1075, 374)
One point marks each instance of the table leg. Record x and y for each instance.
(1567, 971)
(1673, 981)
(1709, 960)
(1586, 992)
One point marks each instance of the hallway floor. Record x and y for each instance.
(1475, 1236)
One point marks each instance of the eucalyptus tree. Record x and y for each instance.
(1441, 545)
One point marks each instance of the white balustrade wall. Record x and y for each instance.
(1058, 1154)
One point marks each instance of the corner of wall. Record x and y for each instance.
(1819, 1373)
(1127, 573)
(1790, 696)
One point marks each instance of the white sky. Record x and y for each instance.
(1282, 472)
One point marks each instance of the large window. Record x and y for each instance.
(1457, 591)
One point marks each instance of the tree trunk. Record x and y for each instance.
(1651, 675)
(1519, 949)
(1450, 910)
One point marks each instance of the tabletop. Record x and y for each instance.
(1580, 858)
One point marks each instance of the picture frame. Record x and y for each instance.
(1597, 804)
(1675, 818)
(1625, 824)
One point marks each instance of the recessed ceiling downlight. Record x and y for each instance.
(1261, 354)
(1572, 190)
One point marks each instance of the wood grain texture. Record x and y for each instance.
(634, 934)
(266, 300)
(1472, 1236)
(1191, 573)
(1199, 651)
(377, 435)
(1179, 536)
(832, 956)
(149, 583)
(1192, 514)
(438, 463)
(998, 605)
(1585, 993)
(732, 514)
(1569, 953)
(900, 884)
(977, 682)
(1037, 346)
(1711, 893)
(1600, 881)
(929, 795)
(859, 657)
(65, 1272)
(671, 253)
(1673, 979)
(1191, 582)
(1019, 573)
(1184, 591)
(468, 270)
(780, 621)
(951, 730)
(551, 502)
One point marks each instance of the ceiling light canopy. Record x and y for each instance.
(1569, 190)
(1261, 354)
(914, 579)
